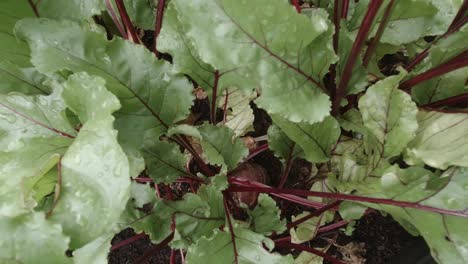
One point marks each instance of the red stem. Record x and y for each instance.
(126, 21)
(117, 21)
(453, 64)
(172, 259)
(314, 251)
(158, 25)
(128, 241)
(333, 226)
(378, 35)
(313, 214)
(460, 14)
(231, 229)
(256, 151)
(295, 3)
(344, 9)
(336, 22)
(355, 51)
(287, 197)
(213, 107)
(34, 8)
(451, 101)
(344, 197)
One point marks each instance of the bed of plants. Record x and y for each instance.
(101, 127)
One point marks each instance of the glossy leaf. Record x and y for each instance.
(259, 56)
(132, 73)
(34, 133)
(96, 180)
(32, 239)
(22, 80)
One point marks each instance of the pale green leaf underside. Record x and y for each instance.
(239, 116)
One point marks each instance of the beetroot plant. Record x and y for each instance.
(145, 114)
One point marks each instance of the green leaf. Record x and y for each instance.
(10, 48)
(446, 235)
(141, 12)
(281, 145)
(196, 216)
(449, 84)
(145, 222)
(441, 140)
(95, 172)
(390, 115)
(249, 246)
(351, 211)
(22, 80)
(220, 147)
(239, 115)
(70, 9)
(411, 20)
(32, 239)
(151, 93)
(266, 216)
(41, 185)
(316, 140)
(288, 69)
(308, 258)
(34, 131)
(164, 161)
(95, 252)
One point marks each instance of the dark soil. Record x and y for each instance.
(130, 253)
(385, 242)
